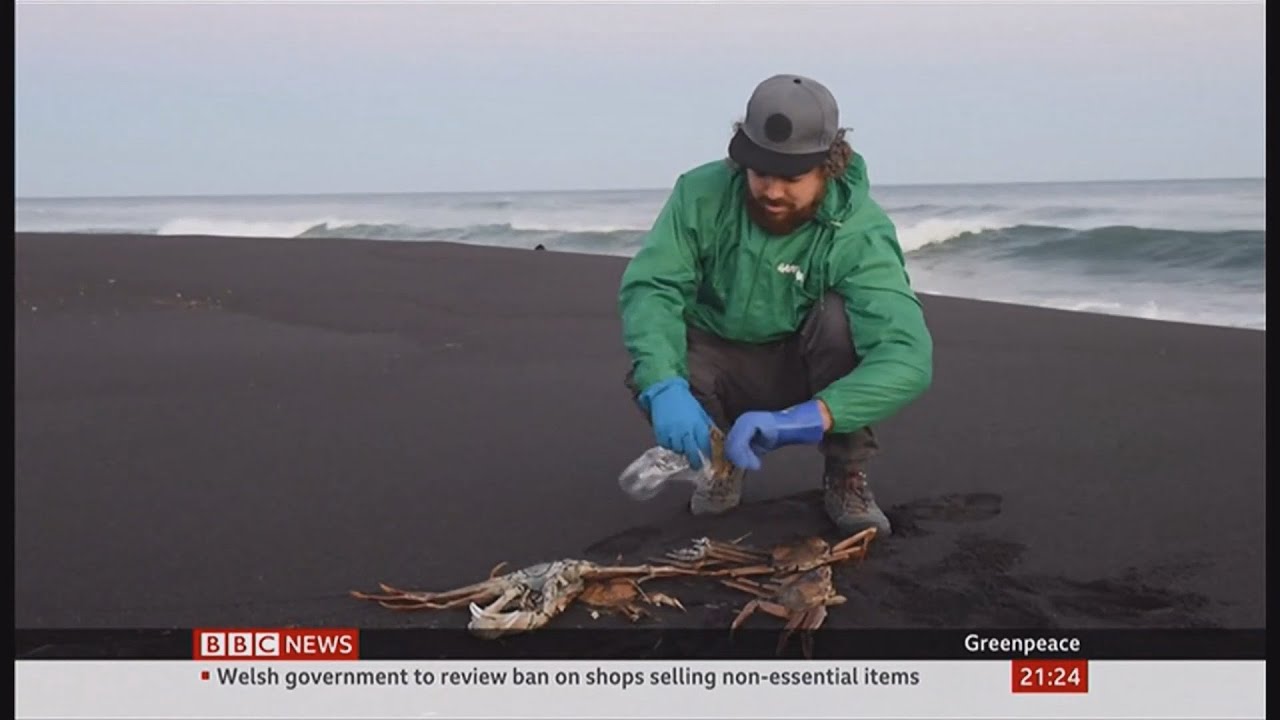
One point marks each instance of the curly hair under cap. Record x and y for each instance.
(838, 156)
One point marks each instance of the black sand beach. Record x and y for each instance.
(218, 431)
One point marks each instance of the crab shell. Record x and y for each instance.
(539, 592)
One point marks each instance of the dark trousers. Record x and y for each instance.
(731, 378)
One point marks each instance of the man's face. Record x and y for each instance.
(780, 205)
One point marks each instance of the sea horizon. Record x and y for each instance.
(620, 189)
(1191, 250)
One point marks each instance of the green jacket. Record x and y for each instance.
(706, 263)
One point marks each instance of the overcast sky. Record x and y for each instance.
(140, 99)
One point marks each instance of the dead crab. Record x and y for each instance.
(814, 552)
(529, 598)
(623, 595)
(801, 600)
(713, 557)
(733, 559)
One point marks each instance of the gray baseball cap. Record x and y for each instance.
(790, 124)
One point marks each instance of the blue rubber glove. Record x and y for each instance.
(679, 421)
(756, 433)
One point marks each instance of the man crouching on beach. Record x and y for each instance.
(771, 297)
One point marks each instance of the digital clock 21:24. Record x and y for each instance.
(1050, 676)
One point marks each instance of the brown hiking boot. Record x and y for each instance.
(851, 505)
(718, 496)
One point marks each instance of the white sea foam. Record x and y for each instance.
(250, 228)
(1202, 314)
(576, 227)
(932, 231)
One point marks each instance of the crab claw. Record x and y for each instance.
(488, 624)
(664, 599)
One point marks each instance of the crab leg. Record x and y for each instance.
(812, 619)
(398, 599)
(758, 589)
(768, 606)
(656, 598)
(851, 543)
(733, 552)
(642, 572)
(734, 572)
(712, 568)
(808, 619)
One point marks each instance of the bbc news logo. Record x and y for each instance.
(281, 644)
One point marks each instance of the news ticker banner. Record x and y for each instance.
(337, 672)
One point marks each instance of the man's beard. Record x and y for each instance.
(784, 223)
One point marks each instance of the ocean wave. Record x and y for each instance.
(934, 231)
(605, 239)
(250, 228)
(1103, 247)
